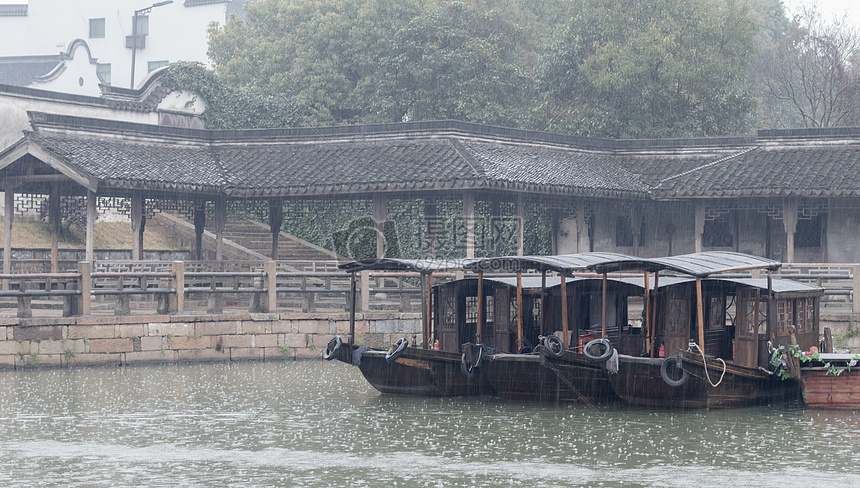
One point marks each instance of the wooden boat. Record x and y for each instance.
(721, 329)
(831, 382)
(553, 373)
(451, 370)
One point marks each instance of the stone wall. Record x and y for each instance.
(120, 341)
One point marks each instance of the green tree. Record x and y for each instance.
(626, 68)
(350, 61)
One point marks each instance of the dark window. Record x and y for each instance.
(97, 28)
(624, 232)
(717, 233)
(808, 232)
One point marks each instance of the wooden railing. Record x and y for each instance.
(145, 287)
(126, 287)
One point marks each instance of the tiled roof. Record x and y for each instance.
(23, 70)
(124, 163)
(446, 155)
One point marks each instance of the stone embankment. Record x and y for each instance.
(158, 339)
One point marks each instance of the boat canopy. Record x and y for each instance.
(699, 265)
(781, 287)
(424, 266)
(564, 263)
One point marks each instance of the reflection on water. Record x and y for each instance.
(320, 424)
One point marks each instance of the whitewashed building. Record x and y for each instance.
(72, 46)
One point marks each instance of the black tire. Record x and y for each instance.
(554, 345)
(664, 372)
(525, 350)
(396, 350)
(467, 369)
(332, 348)
(600, 343)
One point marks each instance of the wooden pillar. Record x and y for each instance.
(199, 227)
(351, 338)
(789, 221)
(496, 219)
(271, 270)
(603, 310)
(431, 222)
(700, 314)
(91, 224)
(699, 224)
(647, 308)
(480, 317)
(565, 329)
(54, 224)
(855, 273)
(649, 340)
(469, 222)
(428, 323)
(136, 226)
(520, 224)
(276, 219)
(85, 285)
(380, 214)
(519, 310)
(8, 218)
(581, 228)
(177, 299)
(220, 224)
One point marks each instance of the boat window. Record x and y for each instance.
(449, 309)
(489, 308)
(784, 317)
(748, 316)
(471, 310)
(805, 315)
(678, 315)
(717, 313)
(537, 309)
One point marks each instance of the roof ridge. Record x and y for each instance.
(704, 166)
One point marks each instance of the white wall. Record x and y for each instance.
(176, 32)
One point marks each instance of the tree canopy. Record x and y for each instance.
(610, 68)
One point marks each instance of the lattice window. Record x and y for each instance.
(471, 310)
(716, 313)
(784, 316)
(678, 315)
(808, 232)
(624, 232)
(537, 310)
(805, 315)
(489, 309)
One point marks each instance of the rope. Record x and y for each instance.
(705, 365)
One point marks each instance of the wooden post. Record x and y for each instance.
(54, 223)
(276, 219)
(699, 224)
(520, 224)
(480, 323)
(8, 218)
(85, 285)
(496, 219)
(177, 299)
(700, 314)
(199, 227)
(92, 215)
(428, 326)
(220, 224)
(271, 301)
(565, 329)
(603, 312)
(365, 291)
(855, 285)
(519, 310)
(650, 340)
(351, 338)
(431, 222)
(136, 228)
(789, 221)
(380, 215)
(647, 308)
(469, 222)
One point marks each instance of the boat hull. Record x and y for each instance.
(828, 391)
(533, 378)
(640, 382)
(423, 372)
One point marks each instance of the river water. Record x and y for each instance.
(319, 424)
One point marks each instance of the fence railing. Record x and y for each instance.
(145, 287)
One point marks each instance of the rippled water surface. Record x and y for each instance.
(319, 424)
